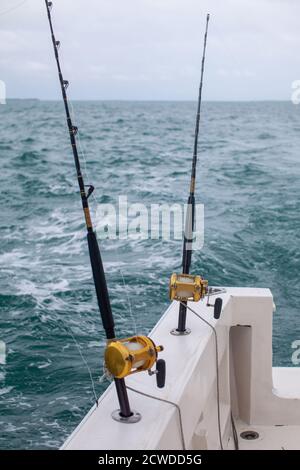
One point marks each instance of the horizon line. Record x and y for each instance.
(262, 100)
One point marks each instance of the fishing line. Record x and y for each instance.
(106, 375)
(191, 204)
(84, 361)
(113, 347)
(234, 433)
(217, 372)
(68, 330)
(74, 117)
(82, 154)
(164, 401)
(129, 303)
(4, 12)
(126, 287)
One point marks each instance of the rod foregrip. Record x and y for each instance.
(100, 286)
(188, 235)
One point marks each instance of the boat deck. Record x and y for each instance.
(277, 437)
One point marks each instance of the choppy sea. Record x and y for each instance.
(248, 181)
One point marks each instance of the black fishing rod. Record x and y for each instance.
(95, 257)
(190, 215)
(127, 356)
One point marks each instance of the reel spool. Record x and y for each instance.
(128, 356)
(184, 287)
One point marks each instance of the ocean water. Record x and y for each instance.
(248, 180)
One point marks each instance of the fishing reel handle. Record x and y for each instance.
(218, 308)
(160, 373)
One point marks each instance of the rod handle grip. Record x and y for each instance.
(100, 285)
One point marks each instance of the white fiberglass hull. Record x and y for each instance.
(262, 399)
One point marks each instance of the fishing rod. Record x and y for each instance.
(185, 287)
(125, 356)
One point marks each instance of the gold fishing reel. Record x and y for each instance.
(184, 287)
(128, 356)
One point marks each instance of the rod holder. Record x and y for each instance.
(124, 413)
(135, 417)
(181, 329)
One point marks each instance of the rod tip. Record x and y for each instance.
(208, 16)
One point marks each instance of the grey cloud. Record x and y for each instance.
(151, 49)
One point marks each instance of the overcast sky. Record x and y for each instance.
(151, 49)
